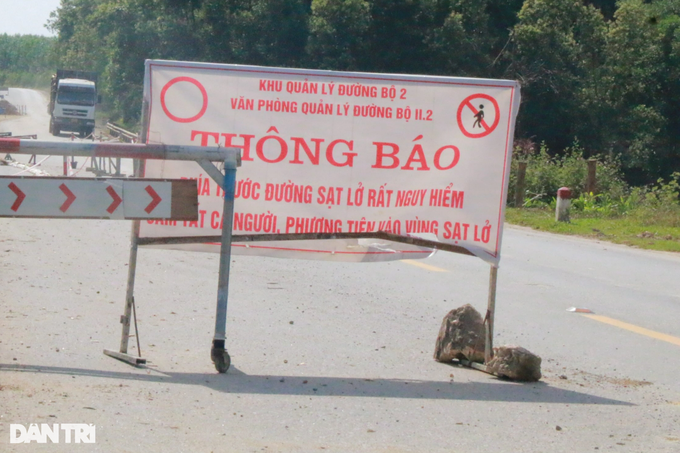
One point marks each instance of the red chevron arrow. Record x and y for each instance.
(156, 199)
(116, 200)
(70, 198)
(20, 196)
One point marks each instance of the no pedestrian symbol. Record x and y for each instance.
(476, 118)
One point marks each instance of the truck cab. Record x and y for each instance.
(72, 104)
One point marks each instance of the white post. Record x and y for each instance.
(562, 205)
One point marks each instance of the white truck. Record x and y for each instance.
(73, 97)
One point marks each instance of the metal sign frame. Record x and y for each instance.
(218, 353)
(205, 157)
(493, 273)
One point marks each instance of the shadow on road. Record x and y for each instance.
(237, 382)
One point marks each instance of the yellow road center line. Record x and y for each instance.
(424, 266)
(633, 328)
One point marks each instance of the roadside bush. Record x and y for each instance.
(653, 206)
(545, 174)
(660, 203)
(664, 194)
(603, 205)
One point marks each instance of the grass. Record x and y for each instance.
(652, 230)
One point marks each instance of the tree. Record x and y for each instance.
(557, 51)
(25, 60)
(643, 61)
(78, 45)
(271, 32)
(338, 34)
(462, 43)
(607, 7)
(397, 36)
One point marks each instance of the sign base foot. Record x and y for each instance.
(127, 358)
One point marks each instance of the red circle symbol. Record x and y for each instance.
(479, 119)
(198, 85)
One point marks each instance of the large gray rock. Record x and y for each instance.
(516, 363)
(461, 336)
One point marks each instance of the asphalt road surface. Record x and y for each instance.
(335, 357)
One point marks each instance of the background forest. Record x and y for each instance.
(604, 74)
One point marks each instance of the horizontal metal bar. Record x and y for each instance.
(120, 150)
(307, 236)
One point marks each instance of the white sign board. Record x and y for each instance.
(328, 152)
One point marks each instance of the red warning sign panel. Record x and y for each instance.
(478, 115)
(98, 198)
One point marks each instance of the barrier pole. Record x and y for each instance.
(490, 311)
(218, 352)
(125, 320)
(138, 171)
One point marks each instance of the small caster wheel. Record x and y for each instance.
(221, 359)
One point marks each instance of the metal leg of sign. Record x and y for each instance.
(130, 291)
(218, 353)
(129, 299)
(129, 305)
(488, 348)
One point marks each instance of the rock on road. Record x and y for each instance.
(335, 357)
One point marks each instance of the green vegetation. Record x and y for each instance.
(546, 173)
(633, 230)
(646, 217)
(25, 61)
